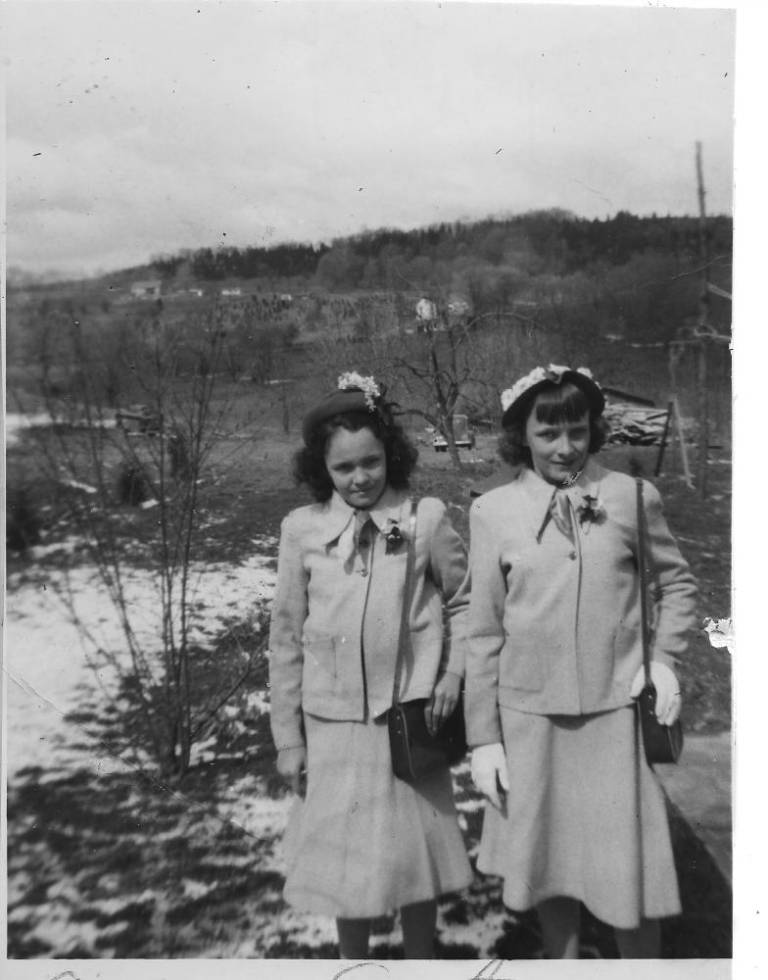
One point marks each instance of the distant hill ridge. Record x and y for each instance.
(554, 241)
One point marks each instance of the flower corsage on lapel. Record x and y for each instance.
(393, 536)
(589, 511)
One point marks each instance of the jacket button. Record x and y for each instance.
(572, 556)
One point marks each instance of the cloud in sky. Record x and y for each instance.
(145, 127)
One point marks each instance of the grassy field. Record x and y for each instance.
(105, 861)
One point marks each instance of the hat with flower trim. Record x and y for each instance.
(354, 393)
(516, 401)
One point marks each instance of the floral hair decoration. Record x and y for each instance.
(552, 372)
(371, 391)
(523, 391)
(353, 393)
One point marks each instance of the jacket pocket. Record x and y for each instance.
(521, 667)
(320, 656)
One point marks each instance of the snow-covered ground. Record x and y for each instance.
(50, 673)
(16, 423)
(48, 658)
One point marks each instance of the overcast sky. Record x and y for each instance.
(138, 128)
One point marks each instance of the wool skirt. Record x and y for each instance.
(585, 818)
(363, 843)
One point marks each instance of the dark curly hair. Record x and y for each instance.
(401, 455)
(554, 404)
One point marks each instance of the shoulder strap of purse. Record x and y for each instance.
(641, 562)
(410, 558)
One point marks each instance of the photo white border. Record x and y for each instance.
(750, 865)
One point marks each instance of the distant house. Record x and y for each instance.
(233, 291)
(147, 289)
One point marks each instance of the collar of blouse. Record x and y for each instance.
(389, 509)
(538, 493)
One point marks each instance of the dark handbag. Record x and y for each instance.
(415, 752)
(662, 743)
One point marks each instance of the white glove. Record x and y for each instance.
(489, 772)
(668, 698)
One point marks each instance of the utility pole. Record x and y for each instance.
(702, 331)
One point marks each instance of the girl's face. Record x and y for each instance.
(559, 450)
(357, 465)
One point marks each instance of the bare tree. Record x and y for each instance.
(158, 452)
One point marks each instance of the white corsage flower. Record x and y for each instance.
(590, 511)
(368, 386)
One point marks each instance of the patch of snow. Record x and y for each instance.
(260, 816)
(62, 890)
(196, 889)
(112, 906)
(68, 546)
(481, 933)
(17, 422)
(51, 662)
(112, 930)
(62, 934)
(78, 485)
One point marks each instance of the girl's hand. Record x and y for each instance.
(292, 766)
(444, 699)
(489, 772)
(668, 698)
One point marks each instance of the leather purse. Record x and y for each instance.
(661, 743)
(415, 752)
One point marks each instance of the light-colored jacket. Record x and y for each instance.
(554, 624)
(324, 613)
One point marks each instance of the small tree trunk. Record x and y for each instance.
(286, 413)
(446, 424)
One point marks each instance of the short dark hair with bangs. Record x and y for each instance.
(553, 404)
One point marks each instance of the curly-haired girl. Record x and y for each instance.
(361, 843)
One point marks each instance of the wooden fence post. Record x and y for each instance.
(664, 437)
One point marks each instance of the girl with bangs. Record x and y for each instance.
(575, 816)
